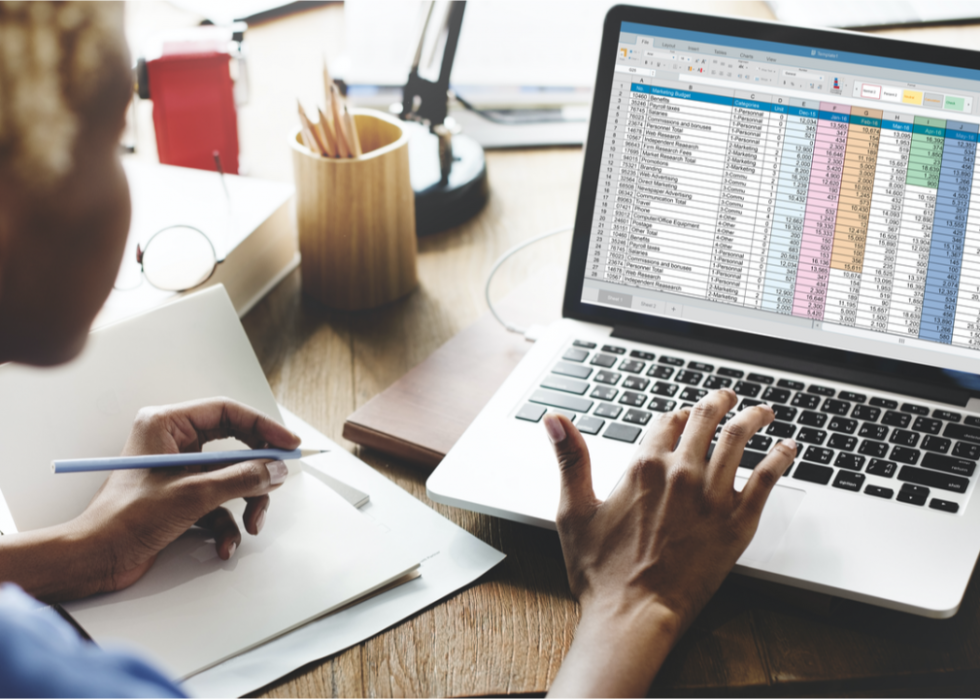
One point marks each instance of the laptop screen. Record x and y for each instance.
(810, 195)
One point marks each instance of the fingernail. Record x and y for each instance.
(791, 443)
(232, 549)
(260, 522)
(553, 427)
(277, 472)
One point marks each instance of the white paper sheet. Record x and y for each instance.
(451, 559)
(192, 610)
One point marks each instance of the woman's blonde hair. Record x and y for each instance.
(53, 59)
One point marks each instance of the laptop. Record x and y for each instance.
(793, 214)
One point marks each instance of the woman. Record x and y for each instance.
(642, 563)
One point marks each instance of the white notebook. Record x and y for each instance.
(192, 610)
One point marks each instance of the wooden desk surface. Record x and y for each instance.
(509, 632)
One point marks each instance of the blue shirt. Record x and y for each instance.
(41, 655)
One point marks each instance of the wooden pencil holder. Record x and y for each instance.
(356, 218)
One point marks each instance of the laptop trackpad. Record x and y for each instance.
(782, 504)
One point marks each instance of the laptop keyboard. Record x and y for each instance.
(857, 441)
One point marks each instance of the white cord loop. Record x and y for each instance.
(503, 258)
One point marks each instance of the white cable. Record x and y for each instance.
(503, 258)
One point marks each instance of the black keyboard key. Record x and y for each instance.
(613, 349)
(842, 424)
(811, 419)
(632, 366)
(933, 479)
(854, 462)
(744, 388)
(700, 366)
(691, 378)
(584, 344)
(748, 403)
(784, 413)
(636, 383)
(664, 389)
(587, 424)
(836, 407)
(603, 393)
(924, 424)
(896, 419)
(635, 400)
(573, 370)
(776, 395)
(813, 473)
(790, 384)
(531, 412)
(905, 438)
(560, 400)
(842, 441)
(805, 401)
(913, 494)
(915, 409)
(637, 417)
(949, 464)
(573, 354)
(852, 396)
(967, 450)
(885, 403)
(965, 432)
(880, 467)
(760, 378)
(972, 420)
(661, 405)
(879, 492)
(565, 384)
(671, 361)
(947, 415)
(905, 455)
(783, 430)
(759, 442)
(640, 354)
(866, 412)
(608, 377)
(603, 360)
(818, 455)
(715, 382)
(751, 459)
(873, 431)
(849, 481)
(660, 372)
(871, 448)
(621, 432)
(733, 373)
(693, 394)
(811, 436)
(821, 390)
(944, 505)
(940, 445)
(608, 410)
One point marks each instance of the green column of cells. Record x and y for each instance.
(926, 153)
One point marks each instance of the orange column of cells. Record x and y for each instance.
(857, 186)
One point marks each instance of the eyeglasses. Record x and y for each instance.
(175, 258)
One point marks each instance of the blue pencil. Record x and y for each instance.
(196, 458)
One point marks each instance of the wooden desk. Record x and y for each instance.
(509, 632)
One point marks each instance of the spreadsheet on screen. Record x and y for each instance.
(791, 191)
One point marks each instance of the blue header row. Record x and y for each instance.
(955, 130)
(800, 51)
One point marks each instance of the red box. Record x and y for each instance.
(194, 110)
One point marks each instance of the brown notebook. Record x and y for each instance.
(419, 417)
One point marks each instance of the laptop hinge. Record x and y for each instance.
(892, 384)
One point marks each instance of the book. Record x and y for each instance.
(251, 223)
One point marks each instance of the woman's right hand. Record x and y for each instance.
(645, 561)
